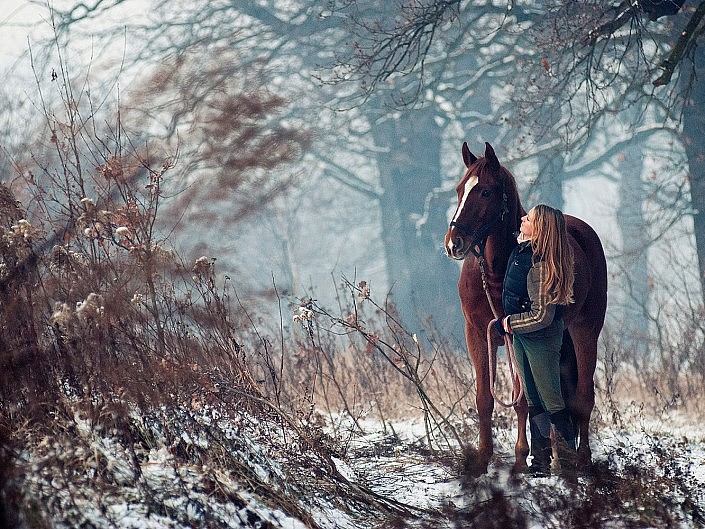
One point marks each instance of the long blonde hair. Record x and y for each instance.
(550, 242)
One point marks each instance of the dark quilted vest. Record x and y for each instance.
(515, 297)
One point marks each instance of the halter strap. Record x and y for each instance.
(479, 236)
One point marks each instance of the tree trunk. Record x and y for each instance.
(423, 281)
(693, 133)
(631, 222)
(548, 188)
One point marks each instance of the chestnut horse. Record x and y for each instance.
(482, 233)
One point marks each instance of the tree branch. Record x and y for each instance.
(685, 42)
(625, 12)
(349, 179)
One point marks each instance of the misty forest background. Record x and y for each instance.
(253, 196)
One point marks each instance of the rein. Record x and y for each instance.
(517, 388)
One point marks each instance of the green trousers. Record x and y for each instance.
(538, 357)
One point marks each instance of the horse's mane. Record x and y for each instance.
(510, 188)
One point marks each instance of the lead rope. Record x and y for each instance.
(517, 388)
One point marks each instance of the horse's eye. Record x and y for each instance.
(486, 193)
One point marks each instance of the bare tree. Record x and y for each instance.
(286, 45)
(586, 62)
(400, 45)
(218, 113)
(624, 59)
(693, 134)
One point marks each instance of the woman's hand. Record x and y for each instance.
(502, 326)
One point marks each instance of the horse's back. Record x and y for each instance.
(590, 286)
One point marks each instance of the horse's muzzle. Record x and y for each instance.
(455, 247)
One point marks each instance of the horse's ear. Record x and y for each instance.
(490, 156)
(468, 157)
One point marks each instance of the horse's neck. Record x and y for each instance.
(497, 253)
(501, 243)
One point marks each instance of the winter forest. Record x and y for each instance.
(226, 300)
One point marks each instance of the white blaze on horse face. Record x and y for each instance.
(472, 182)
(469, 184)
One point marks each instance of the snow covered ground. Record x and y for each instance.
(656, 467)
(245, 472)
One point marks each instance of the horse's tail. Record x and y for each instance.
(569, 368)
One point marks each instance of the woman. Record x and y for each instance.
(537, 285)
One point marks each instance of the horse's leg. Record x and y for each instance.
(583, 401)
(477, 349)
(521, 449)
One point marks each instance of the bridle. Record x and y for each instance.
(479, 236)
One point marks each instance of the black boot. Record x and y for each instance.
(540, 429)
(565, 444)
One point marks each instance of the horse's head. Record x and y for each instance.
(482, 204)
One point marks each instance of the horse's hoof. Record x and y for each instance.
(472, 465)
(584, 460)
(520, 467)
